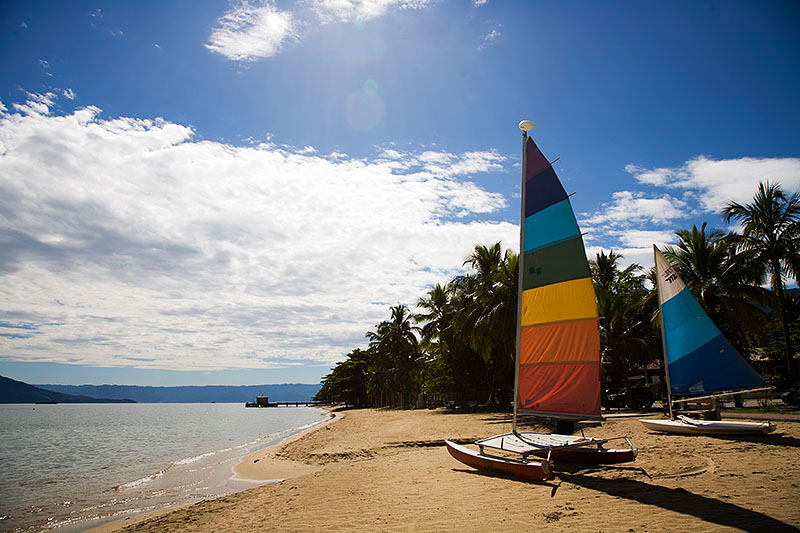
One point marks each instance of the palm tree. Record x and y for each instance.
(725, 281)
(772, 234)
(435, 310)
(347, 382)
(488, 314)
(626, 334)
(397, 354)
(626, 328)
(452, 368)
(606, 273)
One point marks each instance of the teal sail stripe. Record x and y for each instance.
(686, 325)
(550, 225)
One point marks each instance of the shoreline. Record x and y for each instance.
(268, 465)
(249, 469)
(385, 470)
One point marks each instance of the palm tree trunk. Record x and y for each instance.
(776, 271)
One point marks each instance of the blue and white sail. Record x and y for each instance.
(700, 360)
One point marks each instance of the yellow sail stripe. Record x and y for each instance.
(570, 300)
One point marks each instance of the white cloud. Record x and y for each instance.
(436, 158)
(737, 179)
(257, 29)
(361, 10)
(630, 207)
(634, 245)
(489, 38)
(249, 32)
(69, 93)
(635, 220)
(716, 182)
(645, 238)
(474, 162)
(129, 242)
(656, 176)
(443, 163)
(641, 256)
(37, 104)
(478, 3)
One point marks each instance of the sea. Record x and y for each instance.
(76, 466)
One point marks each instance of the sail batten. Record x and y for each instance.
(558, 366)
(700, 360)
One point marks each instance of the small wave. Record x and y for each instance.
(141, 481)
(190, 460)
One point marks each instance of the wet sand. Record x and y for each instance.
(379, 470)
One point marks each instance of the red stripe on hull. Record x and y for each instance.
(496, 465)
(590, 456)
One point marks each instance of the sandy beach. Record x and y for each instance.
(379, 470)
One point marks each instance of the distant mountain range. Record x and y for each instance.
(287, 392)
(13, 391)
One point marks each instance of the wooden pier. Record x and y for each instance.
(263, 401)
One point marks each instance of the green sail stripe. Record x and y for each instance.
(563, 261)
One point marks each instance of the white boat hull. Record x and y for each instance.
(561, 448)
(689, 426)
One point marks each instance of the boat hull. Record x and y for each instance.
(708, 427)
(590, 456)
(529, 470)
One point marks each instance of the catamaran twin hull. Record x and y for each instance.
(689, 426)
(557, 448)
(557, 362)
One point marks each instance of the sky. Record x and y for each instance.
(236, 192)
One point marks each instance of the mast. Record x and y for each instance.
(663, 335)
(557, 371)
(525, 126)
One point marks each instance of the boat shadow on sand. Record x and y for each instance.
(678, 500)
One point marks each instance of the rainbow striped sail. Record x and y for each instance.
(558, 372)
(700, 360)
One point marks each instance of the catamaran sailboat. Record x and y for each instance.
(557, 372)
(699, 360)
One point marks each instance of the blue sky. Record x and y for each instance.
(229, 192)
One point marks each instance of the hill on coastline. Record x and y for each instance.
(13, 391)
(286, 392)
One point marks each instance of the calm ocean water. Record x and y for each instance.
(75, 466)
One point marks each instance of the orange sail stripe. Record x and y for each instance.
(572, 388)
(562, 342)
(570, 300)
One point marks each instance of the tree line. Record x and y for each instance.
(459, 343)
